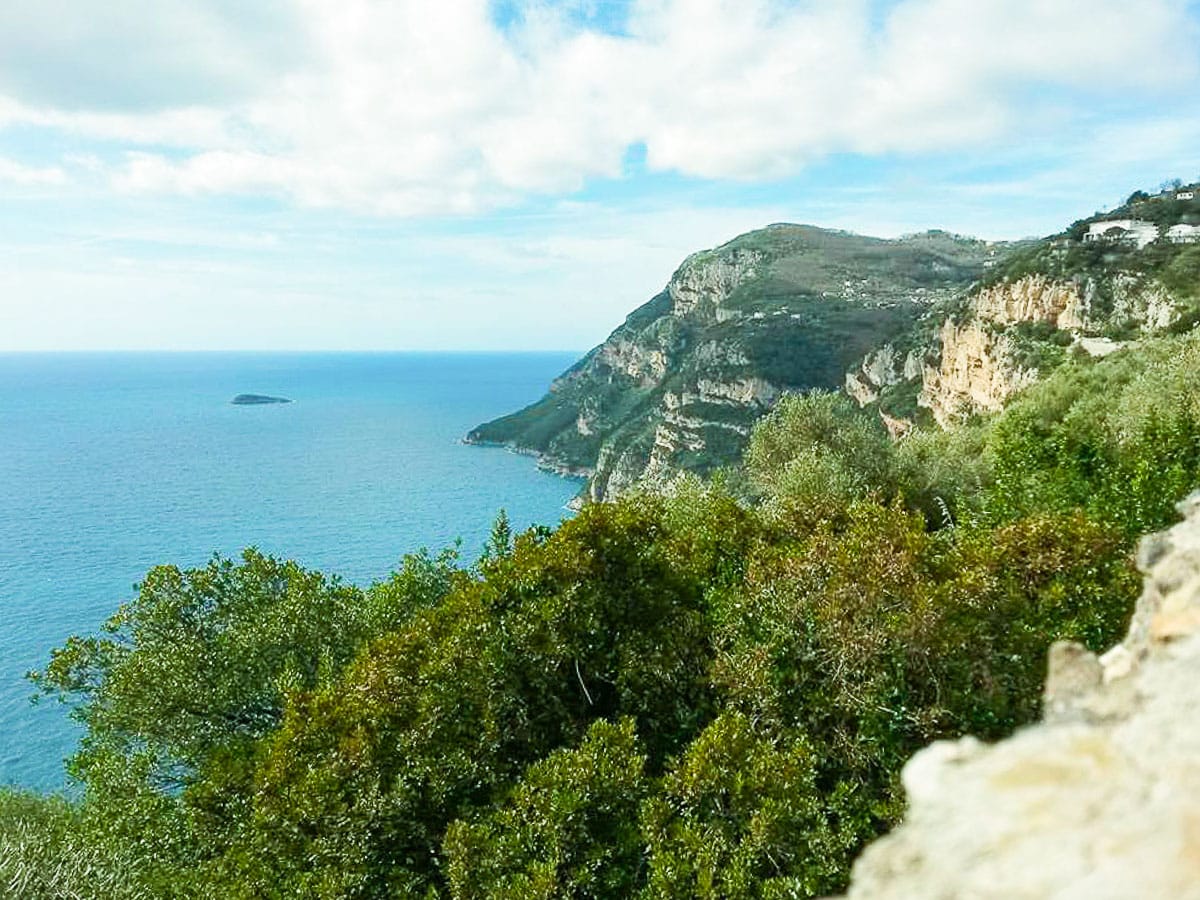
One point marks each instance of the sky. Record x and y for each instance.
(520, 174)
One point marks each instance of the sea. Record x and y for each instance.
(111, 464)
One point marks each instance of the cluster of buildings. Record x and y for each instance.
(1138, 232)
(1123, 231)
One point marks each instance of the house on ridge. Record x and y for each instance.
(1123, 231)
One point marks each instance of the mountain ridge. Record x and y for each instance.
(678, 384)
(928, 327)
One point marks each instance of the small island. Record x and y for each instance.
(257, 400)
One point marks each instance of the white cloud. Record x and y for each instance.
(123, 55)
(417, 107)
(17, 173)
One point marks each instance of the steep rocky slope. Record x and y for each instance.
(1079, 291)
(680, 383)
(1101, 800)
(929, 328)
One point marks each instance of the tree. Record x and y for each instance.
(741, 816)
(569, 828)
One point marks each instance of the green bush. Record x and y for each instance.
(567, 829)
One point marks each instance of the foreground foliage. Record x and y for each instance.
(703, 693)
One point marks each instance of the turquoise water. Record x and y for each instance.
(113, 463)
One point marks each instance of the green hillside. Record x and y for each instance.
(679, 384)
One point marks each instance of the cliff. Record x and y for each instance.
(1101, 800)
(680, 383)
(997, 347)
(930, 328)
(1078, 291)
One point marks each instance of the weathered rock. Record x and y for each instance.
(880, 369)
(744, 391)
(1100, 801)
(645, 365)
(1034, 298)
(860, 389)
(1143, 303)
(706, 279)
(976, 373)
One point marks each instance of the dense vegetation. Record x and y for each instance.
(707, 692)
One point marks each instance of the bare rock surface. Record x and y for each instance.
(1034, 298)
(976, 373)
(1101, 800)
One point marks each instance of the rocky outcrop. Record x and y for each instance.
(618, 468)
(645, 365)
(1146, 304)
(880, 369)
(1101, 800)
(706, 279)
(745, 391)
(1034, 298)
(978, 370)
(976, 373)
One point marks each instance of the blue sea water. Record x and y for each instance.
(113, 463)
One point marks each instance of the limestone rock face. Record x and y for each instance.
(705, 280)
(1146, 304)
(738, 392)
(976, 373)
(617, 470)
(1098, 802)
(882, 368)
(644, 365)
(1034, 298)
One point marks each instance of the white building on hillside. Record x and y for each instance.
(1183, 234)
(1185, 195)
(1123, 231)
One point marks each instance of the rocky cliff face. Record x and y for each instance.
(981, 362)
(1034, 298)
(977, 372)
(681, 382)
(1009, 334)
(706, 280)
(881, 369)
(1100, 801)
(973, 365)
(1146, 304)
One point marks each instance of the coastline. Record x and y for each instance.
(544, 462)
